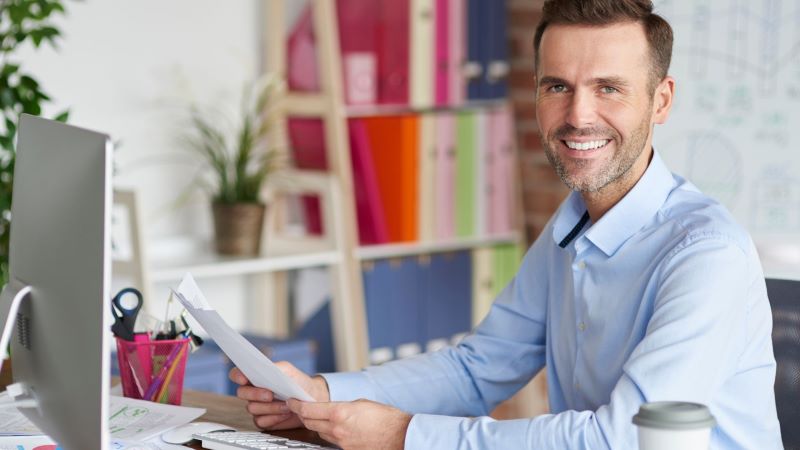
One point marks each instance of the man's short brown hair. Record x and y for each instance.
(607, 12)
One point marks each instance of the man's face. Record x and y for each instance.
(595, 106)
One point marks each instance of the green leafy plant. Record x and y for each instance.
(20, 21)
(239, 156)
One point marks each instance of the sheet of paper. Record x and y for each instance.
(257, 367)
(26, 443)
(191, 293)
(152, 444)
(132, 422)
(14, 423)
(139, 420)
(45, 443)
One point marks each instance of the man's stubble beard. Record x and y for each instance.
(623, 159)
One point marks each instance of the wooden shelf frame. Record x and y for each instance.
(348, 317)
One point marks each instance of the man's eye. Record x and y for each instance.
(608, 90)
(557, 88)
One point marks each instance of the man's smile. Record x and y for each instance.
(583, 149)
(586, 145)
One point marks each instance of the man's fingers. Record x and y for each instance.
(271, 408)
(238, 377)
(287, 367)
(320, 426)
(328, 438)
(271, 421)
(254, 394)
(308, 410)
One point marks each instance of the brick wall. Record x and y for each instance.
(542, 189)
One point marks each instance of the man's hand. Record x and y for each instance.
(358, 425)
(269, 413)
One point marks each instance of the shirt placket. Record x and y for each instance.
(580, 282)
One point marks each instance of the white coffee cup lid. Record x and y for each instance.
(674, 416)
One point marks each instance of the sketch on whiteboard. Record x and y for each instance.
(714, 165)
(776, 201)
(737, 107)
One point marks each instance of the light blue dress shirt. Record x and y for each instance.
(662, 299)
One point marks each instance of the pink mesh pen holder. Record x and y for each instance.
(152, 370)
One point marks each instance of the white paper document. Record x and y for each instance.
(25, 442)
(14, 423)
(254, 364)
(152, 444)
(44, 442)
(132, 424)
(140, 420)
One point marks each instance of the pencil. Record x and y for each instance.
(159, 379)
(162, 394)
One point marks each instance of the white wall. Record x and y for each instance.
(127, 68)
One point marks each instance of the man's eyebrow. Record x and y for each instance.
(603, 81)
(611, 81)
(551, 80)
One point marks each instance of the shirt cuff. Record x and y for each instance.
(349, 386)
(434, 431)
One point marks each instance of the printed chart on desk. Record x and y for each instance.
(733, 127)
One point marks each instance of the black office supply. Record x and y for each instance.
(125, 317)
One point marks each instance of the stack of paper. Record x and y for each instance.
(135, 425)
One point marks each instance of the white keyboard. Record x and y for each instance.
(251, 440)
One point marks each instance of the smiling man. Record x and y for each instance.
(639, 289)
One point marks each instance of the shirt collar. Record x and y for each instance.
(627, 217)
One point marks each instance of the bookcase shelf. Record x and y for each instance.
(209, 264)
(432, 158)
(212, 265)
(393, 110)
(337, 184)
(420, 248)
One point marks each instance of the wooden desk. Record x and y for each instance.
(231, 411)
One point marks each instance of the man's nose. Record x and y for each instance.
(582, 110)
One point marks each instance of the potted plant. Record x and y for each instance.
(239, 159)
(20, 21)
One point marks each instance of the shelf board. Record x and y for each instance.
(419, 248)
(399, 109)
(212, 265)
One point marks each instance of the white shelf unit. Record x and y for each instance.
(415, 248)
(340, 252)
(212, 265)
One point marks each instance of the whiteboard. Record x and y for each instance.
(737, 104)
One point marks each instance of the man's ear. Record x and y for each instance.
(662, 101)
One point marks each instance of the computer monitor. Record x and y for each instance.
(58, 293)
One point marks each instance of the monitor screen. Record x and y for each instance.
(59, 262)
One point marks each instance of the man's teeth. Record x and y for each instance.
(591, 145)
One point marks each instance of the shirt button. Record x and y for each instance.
(582, 265)
(582, 326)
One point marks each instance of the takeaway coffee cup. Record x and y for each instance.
(674, 425)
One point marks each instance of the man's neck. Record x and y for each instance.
(600, 202)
